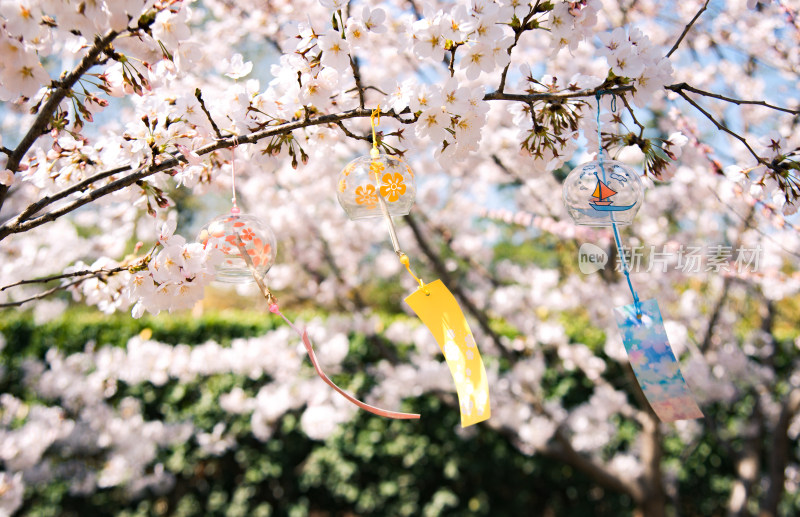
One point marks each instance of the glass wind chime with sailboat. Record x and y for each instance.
(616, 193)
(606, 192)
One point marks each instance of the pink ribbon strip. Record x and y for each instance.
(273, 308)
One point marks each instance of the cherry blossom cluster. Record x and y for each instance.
(176, 275)
(34, 30)
(171, 277)
(633, 55)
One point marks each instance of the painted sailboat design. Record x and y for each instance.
(601, 201)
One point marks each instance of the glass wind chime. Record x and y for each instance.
(382, 186)
(605, 192)
(248, 247)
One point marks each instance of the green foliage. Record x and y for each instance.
(373, 466)
(369, 466)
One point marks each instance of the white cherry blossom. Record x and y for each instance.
(335, 51)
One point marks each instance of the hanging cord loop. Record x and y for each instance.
(375, 168)
(617, 239)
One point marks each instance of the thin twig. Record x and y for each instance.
(352, 135)
(517, 33)
(85, 272)
(722, 126)
(749, 224)
(415, 9)
(354, 65)
(544, 96)
(43, 294)
(633, 115)
(199, 95)
(678, 88)
(687, 28)
(513, 174)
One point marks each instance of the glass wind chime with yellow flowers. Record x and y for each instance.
(380, 185)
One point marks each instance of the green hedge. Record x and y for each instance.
(370, 466)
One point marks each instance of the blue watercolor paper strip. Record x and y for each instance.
(654, 363)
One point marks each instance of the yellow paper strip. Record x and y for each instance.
(439, 311)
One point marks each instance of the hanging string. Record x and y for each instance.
(617, 240)
(374, 119)
(235, 208)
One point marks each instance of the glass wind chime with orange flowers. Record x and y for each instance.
(382, 186)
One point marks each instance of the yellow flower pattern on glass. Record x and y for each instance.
(393, 187)
(366, 195)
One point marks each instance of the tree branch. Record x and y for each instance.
(85, 272)
(23, 223)
(680, 87)
(357, 78)
(721, 126)
(567, 453)
(55, 96)
(687, 28)
(747, 465)
(633, 116)
(653, 497)
(43, 294)
(452, 62)
(18, 225)
(352, 135)
(715, 314)
(527, 98)
(33, 208)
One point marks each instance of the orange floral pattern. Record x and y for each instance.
(258, 250)
(393, 187)
(376, 168)
(248, 234)
(366, 195)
